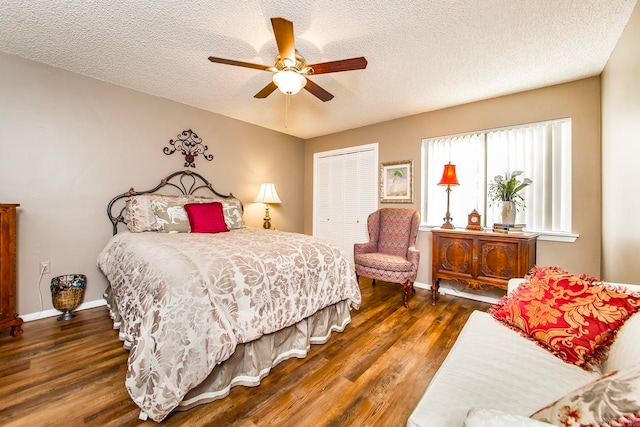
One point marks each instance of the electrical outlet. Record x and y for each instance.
(45, 267)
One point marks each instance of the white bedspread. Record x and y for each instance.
(188, 299)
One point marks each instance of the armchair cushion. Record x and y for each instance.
(383, 261)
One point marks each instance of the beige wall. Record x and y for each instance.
(70, 143)
(620, 155)
(401, 139)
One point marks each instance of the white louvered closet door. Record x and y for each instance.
(345, 194)
(322, 199)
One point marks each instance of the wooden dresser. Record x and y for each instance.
(480, 258)
(8, 315)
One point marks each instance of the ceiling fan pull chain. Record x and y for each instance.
(286, 111)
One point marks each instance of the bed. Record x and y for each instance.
(203, 312)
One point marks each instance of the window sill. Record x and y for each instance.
(549, 236)
(554, 236)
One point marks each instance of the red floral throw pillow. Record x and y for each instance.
(206, 217)
(573, 318)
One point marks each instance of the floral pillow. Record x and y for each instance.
(611, 400)
(171, 216)
(575, 319)
(140, 210)
(233, 214)
(137, 217)
(141, 213)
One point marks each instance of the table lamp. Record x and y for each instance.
(448, 178)
(266, 195)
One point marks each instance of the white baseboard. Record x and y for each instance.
(444, 290)
(449, 288)
(53, 312)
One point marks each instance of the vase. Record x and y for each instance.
(508, 212)
(66, 293)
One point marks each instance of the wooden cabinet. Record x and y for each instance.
(480, 258)
(8, 315)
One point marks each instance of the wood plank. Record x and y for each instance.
(72, 372)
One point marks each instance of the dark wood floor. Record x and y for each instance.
(373, 374)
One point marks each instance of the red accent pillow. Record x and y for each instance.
(206, 217)
(571, 317)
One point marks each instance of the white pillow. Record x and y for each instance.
(485, 417)
(624, 353)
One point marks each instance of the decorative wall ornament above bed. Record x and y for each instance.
(190, 145)
(184, 182)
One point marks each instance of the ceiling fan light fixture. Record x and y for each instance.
(289, 82)
(290, 69)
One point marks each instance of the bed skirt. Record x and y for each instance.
(252, 361)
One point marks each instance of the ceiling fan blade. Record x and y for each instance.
(320, 93)
(283, 30)
(342, 65)
(266, 91)
(238, 63)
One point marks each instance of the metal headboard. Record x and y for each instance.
(186, 182)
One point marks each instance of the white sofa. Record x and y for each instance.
(493, 376)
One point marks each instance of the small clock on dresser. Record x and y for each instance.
(474, 222)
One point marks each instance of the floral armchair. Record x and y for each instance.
(390, 255)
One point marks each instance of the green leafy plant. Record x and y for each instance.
(507, 188)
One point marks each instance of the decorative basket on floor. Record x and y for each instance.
(67, 292)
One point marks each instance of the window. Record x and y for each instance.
(541, 150)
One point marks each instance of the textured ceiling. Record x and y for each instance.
(423, 55)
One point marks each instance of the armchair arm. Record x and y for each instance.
(413, 255)
(364, 248)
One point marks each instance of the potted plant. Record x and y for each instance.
(506, 189)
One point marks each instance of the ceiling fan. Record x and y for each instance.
(291, 70)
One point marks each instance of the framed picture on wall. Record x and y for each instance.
(396, 182)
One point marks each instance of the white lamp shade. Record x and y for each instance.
(267, 194)
(289, 82)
